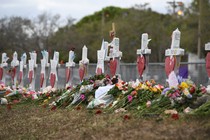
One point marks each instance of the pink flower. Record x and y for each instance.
(130, 98)
(82, 96)
(148, 104)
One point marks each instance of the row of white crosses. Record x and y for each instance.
(172, 61)
(109, 53)
(32, 67)
(113, 57)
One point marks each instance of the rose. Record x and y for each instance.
(192, 89)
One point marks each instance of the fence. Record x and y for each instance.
(196, 71)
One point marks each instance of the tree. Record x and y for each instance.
(44, 26)
(14, 35)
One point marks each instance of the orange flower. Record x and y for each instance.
(119, 85)
(152, 81)
(148, 83)
(133, 93)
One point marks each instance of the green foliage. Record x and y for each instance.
(92, 29)
(130, 24)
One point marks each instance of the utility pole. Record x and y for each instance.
(174, 5)
(199, 30)
(102, 24)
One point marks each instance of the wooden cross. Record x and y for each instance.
(112, 32)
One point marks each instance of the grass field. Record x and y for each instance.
(29, 121)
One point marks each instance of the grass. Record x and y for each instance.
(30, 121)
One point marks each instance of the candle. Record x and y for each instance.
(176, 39)
(84, 53)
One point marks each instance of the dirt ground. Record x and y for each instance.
(34, 122)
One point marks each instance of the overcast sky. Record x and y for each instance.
(72, 8)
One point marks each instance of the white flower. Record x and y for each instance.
(4, 101)
(208, 89)
(115, 102)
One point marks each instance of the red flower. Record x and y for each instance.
(48, 94)
(175, 116)
(98, 112)
(78, 108)
(203, 90)
(9, 107)
(53, 108)
(69, 87)
(107, 76)
(44, 106)
(126, 117)
(192, 89)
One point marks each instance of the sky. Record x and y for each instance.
(76, 9)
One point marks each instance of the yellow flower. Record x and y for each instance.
(46, 100)
(186, 92)
(138, 87)
(154, 89)
(144, 87)
(184, 85)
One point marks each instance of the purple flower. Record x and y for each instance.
(82, 96)
(189, 96)
(180, 79)
(130, 98)
(165, 90)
